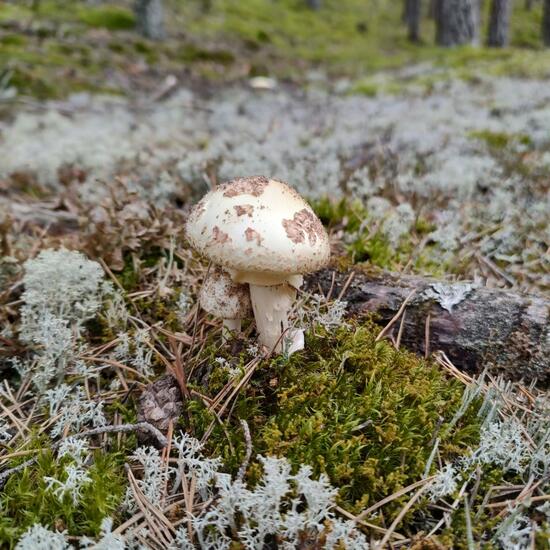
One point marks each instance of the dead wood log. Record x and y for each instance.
(476, 327)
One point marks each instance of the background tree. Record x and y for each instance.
(314, 4)
(150, 18)
(412, 15)
(546, 23)
(457, 22)
(499, 23)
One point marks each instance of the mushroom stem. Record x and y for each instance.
(230, 327)
(271, 305)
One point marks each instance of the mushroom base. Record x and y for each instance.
(230, 327)
(271, 305)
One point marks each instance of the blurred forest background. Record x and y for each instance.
(49, 48)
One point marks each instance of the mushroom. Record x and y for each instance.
(222, 297)
(263, 233)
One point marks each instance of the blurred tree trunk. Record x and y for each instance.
(457, 22)
(529, 4)
(314, 4)
(499, 23)
(150, 18)
(477, 9)
(413, 10)
(546, 23)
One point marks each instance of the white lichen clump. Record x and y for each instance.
(72, 409)
(282, 504)
(502, 443)
(154, 478)
(444, 484)
(449, 295)
(290, 506)
(514, 532)
(62, 290)
(136, 350)
(424, 145)
(108, 540)
(315, 309)
(40, 538)
(63, 282)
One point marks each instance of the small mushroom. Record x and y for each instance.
(222, 297)
(263, 233)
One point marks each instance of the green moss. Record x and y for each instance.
(13, 40)
(525, 26)
(190, 53)
(29, 81)
(283, 38)
(335, 213)
(128, 277)
(500, 140)
(346, 33)
(358, 410)
(14, 12)
(365, 245)
(424, 227)
(25, 499)
(109, 17)
(369, 89)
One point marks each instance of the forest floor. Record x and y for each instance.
(439, 168)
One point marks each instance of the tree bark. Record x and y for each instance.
(499, 23)
(314, 4)
(150, 18)
(501, 330)
(546, 23)
(413, 14)
(457, 22)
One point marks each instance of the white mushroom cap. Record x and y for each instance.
(260, 230)
(221, 297)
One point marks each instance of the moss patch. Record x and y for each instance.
(25, 499)
(367, 242)
(358, 410)
(113, 18)
(500, 140)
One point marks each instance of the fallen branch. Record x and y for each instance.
(476, 327)
(248, 455)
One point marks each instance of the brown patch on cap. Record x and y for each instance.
(254, 186)
(304, 224)
(243, 209)
(252, 234)
(219, 236)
